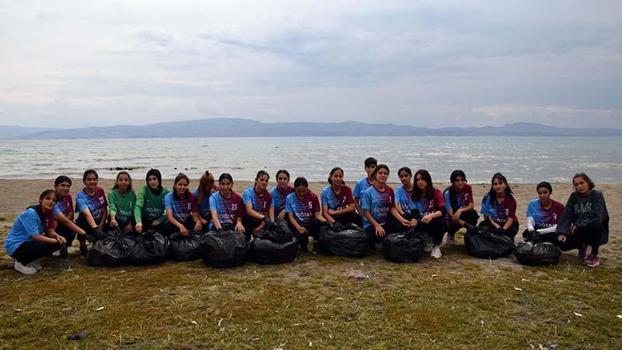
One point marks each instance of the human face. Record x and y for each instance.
(459, 183)
(370, 169)
(405, 178)
(153, 182)
(420, 181)
(262, 183)
(337, 178)
(225, 187)
(181, 186)
(499, 186)
(580, 185)
(47, 203)
(382, 175)
(63, 188)
(90, 182)
(282, 180)
(544, 195)
(123, 182)
(301, 191)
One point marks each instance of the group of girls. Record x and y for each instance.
(415, 205)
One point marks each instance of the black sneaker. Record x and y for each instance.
(83, 250)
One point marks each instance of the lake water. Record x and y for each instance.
(520, 159)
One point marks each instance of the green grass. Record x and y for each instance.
(458, 302)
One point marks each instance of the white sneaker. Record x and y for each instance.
(26, 270)
(36, 264)
(436, 252)
(428, 247)
(462, 231)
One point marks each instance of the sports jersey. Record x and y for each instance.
(378, 203)
(335, 201)
(428, 206)
(121, 206)
(204, 210)
(278, 198)
(96, 204)
(360, 186)
(261, 204)
(228, 209)
(404, 198)
(26, 225)
(149, 205)
(463, 198)
(544, 218)
(182, 207)
(303, 209)
(499, 212)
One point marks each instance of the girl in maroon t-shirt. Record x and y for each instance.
(459, 204)
(431, 205)
(64, 212)
(499, 207)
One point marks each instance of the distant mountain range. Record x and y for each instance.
(236, 127)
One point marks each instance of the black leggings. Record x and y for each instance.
(373, 237)
(589, 235)
(550, 237)
(64, 231)
(470, 217)
(313, 230)
(435, 228)
(250, 224)
(349, 218)
(511, 232)
(30, 251)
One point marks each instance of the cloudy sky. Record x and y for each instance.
(434, 64)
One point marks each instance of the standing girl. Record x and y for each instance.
(202, 193)
(337, 201)
(121, 203)
(304, 214)
(431, 205)
(92, 205)
(376, 203)
(27, 242)
(149, 210)
(499, 207)
(257, 203)
(226, 206)
(459, 204)
(181, 208)
(278, 194)
(585, 220)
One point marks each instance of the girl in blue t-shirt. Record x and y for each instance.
(405, 215)
(459, 204)
(27, 240)
(92, 206)
(226, 206)
(499, 207)
(257, 202)
(543, 215)
(202, 194)
(304, 215)
(181, 208)
(337, 201)
(376, 203)
(278, 194)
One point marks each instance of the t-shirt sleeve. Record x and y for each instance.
(138, 207)
(485, 210)
(349, 197)
(289, 204)
(366, 201)
(112, 210)
(447, 201)
(50, 222)
(168, 201)
(324, 196)
(357, 190)
(247, 196)
(439, 199)
(31, 222)
(531, 209)
(81, 202)
(213, 202)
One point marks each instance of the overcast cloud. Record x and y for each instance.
(429, 64)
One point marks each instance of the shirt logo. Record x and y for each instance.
(234, 206)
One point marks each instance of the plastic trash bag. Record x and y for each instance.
(541, 253)
(352, 241)
(484, 243)
(224, 248)
(402, 247)
(184, 248)
(275, 245)
(150, 248)
(112, 250)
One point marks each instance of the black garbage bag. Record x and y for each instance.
(402, 247)
(112, 250)
(224, 248)
(484, 243)
(150, 248)
(350, 242)
(540, 253)
(275, 245)
(98, 234)
(184, 248)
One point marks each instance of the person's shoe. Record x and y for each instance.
(428, 247)
(63, 253)
(581, 255)
(450, 239)
(436, 252)
(592, 261)
(25, 269)
(36, 264)
(83, 250)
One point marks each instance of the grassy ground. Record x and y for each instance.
(317, 302)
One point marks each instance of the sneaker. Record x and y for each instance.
(436, 252)
(36, 264)
(463, 230)
(581, 255)
(26, 270)
(592, 261)
(428, 247)
(83, 250)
